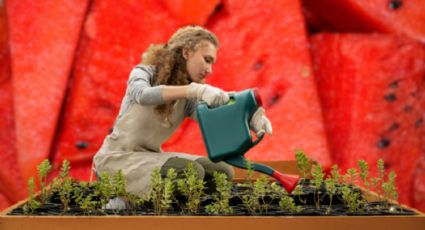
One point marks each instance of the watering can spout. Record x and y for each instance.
(289, 182)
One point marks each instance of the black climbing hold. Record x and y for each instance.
(217, 9)
(274, 99)
(393, 84)
(390, 97)
(395, 4)
(419, 122)
(258, 65)
(82, 144)
(408, 108)
(394, 126)
(383, 143)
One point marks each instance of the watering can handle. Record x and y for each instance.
(258, 139)
(231, 97)
(258, 99)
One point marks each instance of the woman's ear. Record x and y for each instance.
(186, 52)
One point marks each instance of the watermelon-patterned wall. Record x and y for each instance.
(64, 66)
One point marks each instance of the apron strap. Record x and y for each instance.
(93, 169)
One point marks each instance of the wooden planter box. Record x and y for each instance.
(214, 222)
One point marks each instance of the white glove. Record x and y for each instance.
(259, 123)
(213, 96)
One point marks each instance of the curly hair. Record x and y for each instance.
(169, 61)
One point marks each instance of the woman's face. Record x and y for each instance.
(199, 62)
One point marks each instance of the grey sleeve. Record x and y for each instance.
(140, 89)
(190, 109)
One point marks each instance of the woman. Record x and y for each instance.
(161, 91)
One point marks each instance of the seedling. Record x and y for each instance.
(222, 196)
(303, 164)
(298, 191)
(350, 178)
(335, 176)
(352, 199)
(162, 190)
(43, 172)
(376, 182)
(119, 184)
(389, 188)
(249, 200)
(32, 204)
(364, 172)
(104, 188)
(65, 188)
(318, 176)
(264, 193)
(192, 187)
(86, 203)
(249, 170)
(381, 169)
(331, 184)
(112, 187)
(65, 193)
(261, 189)
(64, 169)
(286, 203)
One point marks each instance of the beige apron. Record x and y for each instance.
(134, 146)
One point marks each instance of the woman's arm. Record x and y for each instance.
(141, 90)
(139, 87)
(171, 92)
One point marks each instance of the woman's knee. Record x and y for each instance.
(180, 165)
(211, 167)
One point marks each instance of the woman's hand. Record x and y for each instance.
(213, 96)
(259, 123)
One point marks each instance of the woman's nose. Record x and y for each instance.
(209, 69)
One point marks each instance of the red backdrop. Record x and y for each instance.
(340, 80)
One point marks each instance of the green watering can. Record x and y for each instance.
(227, 136)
